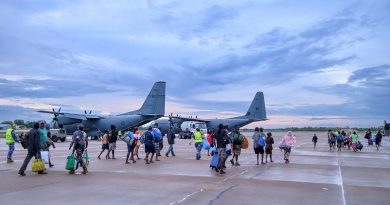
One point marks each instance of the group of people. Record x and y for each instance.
(152, 140)
(224, 144)
(341, 139)
(38, 140)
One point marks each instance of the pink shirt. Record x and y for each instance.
(288, 140)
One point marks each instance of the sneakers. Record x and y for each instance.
(231, 161)
(222, 172)
(10, 160)
(237, 164)
(42, 172)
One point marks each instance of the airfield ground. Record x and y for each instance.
(313, 177)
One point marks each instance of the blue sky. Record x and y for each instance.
(319, 63)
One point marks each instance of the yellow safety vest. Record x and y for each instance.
(8, 136)
(198, 137)
(120, 133)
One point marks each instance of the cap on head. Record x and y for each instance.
(150, 128)
(113, 127)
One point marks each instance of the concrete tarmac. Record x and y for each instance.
(314, 176)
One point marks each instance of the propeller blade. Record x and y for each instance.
(53, 109)
(90, 111)
(59, 110)
(85, 111)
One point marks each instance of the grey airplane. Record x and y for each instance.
(256, 112)
(152, 109)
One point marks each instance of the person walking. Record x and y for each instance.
(105, 144)
(286, 144)
(210, 140)
(340, 141)
(269, 141)
(49, 142)
(237, 141)
(10, 139)
(368, 136)
(220, 139)
(259, 136)
(137, 136)
(355, 140)
(314, 140)
(149, 145)
(32, 149)
(171, 140)
(112, 138)
(198, 139)
(79, 144)
(331, 140)
(130, 148)
(378, 139)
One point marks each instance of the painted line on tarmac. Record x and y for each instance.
(341, 182)
(186, 197)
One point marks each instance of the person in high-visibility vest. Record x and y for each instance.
(198, 139)
(10, 139)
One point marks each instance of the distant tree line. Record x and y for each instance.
(21, 123)
(318, 129)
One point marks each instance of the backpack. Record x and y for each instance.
(237, 139)
(261, 141)
(142, 138)
(24, 141)
(340, 137)
(157, 134)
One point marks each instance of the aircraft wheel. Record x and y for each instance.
(54, 138)
(63, 139)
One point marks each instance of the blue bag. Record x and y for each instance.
(157, 134)
(261, 141)
(214, 159)
(206, 145)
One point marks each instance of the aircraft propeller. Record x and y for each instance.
(54, 121)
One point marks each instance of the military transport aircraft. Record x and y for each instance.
(256, 112)
(152, 109)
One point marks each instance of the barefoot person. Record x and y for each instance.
(149, 145)
(269, 141)
(105, 144)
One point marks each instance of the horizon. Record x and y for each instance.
(324, 64)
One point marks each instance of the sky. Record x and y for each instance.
(319, 63)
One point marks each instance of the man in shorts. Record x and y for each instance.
(112, 138)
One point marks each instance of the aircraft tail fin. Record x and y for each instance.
(257, 109)
(154, 103)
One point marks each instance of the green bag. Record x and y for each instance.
(86, 158)
(70, 162)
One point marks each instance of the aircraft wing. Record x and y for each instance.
(73, 115)
(189, 119)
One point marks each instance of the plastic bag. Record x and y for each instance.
(206, 144)
(45, 156)
(38, 165)
(70, 163)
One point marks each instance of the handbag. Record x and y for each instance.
(45, 156)
(70, 163)
(245, 143)
(38, 165)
